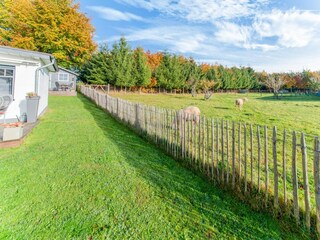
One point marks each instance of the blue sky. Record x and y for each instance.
(264, 34)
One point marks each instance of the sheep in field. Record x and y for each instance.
(190, 113)
(240, 102)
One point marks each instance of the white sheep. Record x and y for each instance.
(240, 102)
(190, 113)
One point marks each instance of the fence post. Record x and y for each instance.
(217, 148)
(203, 143)
(222, 151)
(212, 148)
(117, 107)
(251, 154)
(295, 177)
(275, 167)
(284, 166)
(227, 139)
(199, 143)
(188, 139)
(259, 155)
(239, 151)
(316, 172)
(266, 161)
(233, 156)
(305, 180)
(208, 147)
(108, 90)
(137, 116)
(245, 156)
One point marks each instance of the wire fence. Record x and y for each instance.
(269, 169)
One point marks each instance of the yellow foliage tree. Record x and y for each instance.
(52, 26)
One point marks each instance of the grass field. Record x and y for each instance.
(300, 113)
(82, 175)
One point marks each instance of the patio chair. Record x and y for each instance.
(5, 101)
(70, 86)
(57, 86)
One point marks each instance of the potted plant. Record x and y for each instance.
(12, 131)
(32, 106)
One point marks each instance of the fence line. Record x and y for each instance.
(255, 165)
(108, 88)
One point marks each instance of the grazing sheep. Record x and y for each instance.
(190, 113)
(240, 102)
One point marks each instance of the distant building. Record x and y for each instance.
(63, 77)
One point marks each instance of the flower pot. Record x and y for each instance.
(32, 108)
(12, 133)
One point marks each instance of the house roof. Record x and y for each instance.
(45, 57)
(69, 71)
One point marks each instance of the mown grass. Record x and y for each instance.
(300, 113)
(80, 174)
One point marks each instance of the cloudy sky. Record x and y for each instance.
(269, 35)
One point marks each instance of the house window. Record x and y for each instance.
(63, 77)
(6, 80)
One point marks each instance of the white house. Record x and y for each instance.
(23, 71)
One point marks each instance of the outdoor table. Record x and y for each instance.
(64, 87)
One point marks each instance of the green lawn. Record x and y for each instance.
(300, 113)
(82, 175)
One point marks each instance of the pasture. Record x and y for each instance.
(82, 175)
(300, 113)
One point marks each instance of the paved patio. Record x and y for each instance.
(27, 128)
(63, 93)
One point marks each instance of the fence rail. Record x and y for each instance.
(156, 90)
(270, 169)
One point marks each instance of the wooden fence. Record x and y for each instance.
(156, 90)
(270, 169)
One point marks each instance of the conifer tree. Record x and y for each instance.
(141, 72)
(121, 64)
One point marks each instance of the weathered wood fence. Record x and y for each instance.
(280, 170)
(156, 90)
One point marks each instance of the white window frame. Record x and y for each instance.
(59, 74)
(9, 67)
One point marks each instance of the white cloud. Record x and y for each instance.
(201, 10)
(179, 39)
(288, 29)
(293, 28)
(114, 15)
(241, 36)
(233, 33)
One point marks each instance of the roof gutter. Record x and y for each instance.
(37, 77)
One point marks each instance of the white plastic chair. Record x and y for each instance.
(5, 101)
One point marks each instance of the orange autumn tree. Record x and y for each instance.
(52, 26)
(154, 60)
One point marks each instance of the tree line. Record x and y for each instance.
(126, 67)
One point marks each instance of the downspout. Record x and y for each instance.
(37, 77)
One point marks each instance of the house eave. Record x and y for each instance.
(45, 57)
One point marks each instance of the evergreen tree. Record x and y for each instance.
(97, 70)
(121, 64)
(169, 73)
(141, 72)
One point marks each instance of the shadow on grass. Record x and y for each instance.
(202, 207)
(291, 98)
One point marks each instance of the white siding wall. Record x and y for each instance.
(43, 90)
(25, 82)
